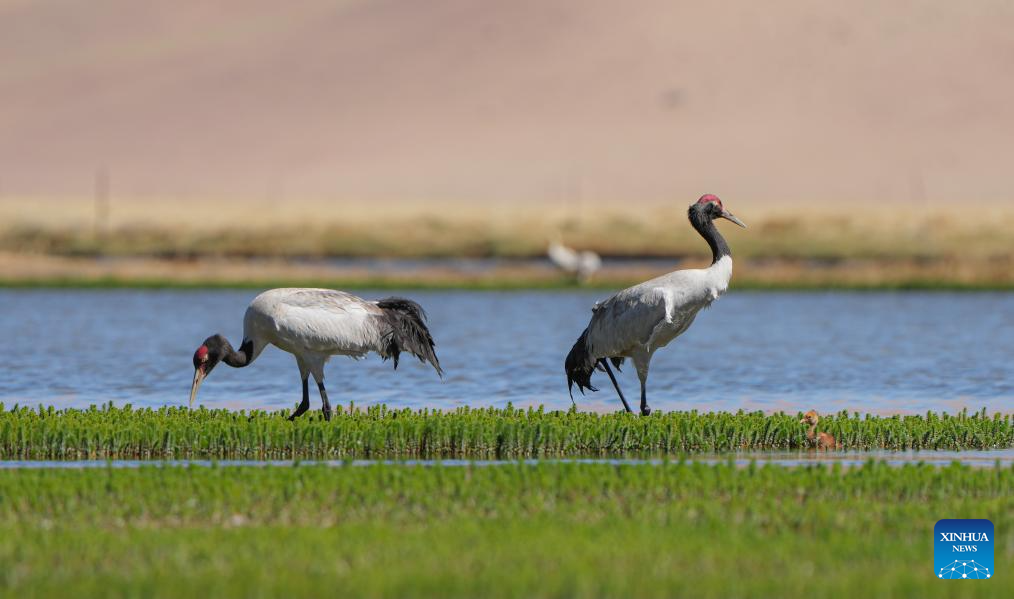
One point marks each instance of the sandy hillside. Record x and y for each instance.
(581, 100)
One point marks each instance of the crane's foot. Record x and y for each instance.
(645, 411)
(304, 406)
(325, 405)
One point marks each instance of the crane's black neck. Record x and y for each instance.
(704, 225)
(237, 359)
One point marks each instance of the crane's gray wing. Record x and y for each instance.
(647, 315)
(625, 321)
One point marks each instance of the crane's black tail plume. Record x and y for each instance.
(579, 366)
(408, 332)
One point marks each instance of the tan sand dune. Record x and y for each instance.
(594, 100)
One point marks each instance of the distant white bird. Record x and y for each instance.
(315, 324)
(582, 265)
(636, 322)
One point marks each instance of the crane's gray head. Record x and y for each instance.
(207, 356)
(710, 207)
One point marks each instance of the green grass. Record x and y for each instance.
(109, 432)
(552, 530)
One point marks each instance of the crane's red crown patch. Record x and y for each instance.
(709, 198)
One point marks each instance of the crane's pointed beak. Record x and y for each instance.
(198, 378)
(730, 216)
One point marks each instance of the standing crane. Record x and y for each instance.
(580, 265)
(315, 324)
(637, 321)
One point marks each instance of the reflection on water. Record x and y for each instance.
(866, 352)
(980, 459)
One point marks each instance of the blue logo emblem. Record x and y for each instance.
(963, 549)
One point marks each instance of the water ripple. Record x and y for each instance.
(868, 352)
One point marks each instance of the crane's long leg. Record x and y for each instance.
(641, 365)
(645, 410)
(326, 407)
(616, 385)
(305, 404)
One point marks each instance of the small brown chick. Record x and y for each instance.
(823, 441)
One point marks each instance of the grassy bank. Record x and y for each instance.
(552, 530)
(470, 229)
(109, 432)
(491, 284)
(161, 244)
(42, 271)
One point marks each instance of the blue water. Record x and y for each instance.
(869, 352)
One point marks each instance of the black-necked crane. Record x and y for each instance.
(638, 321)
(315, 324)
(580, 265)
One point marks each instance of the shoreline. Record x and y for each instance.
(491, 286)
(47, 271)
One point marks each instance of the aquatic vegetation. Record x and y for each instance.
(546, 530)
(380, 432)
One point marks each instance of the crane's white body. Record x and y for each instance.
(639, 320)
(581, 264)
(313, 325)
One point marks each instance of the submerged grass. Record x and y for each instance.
(379, 432)
(547, 530)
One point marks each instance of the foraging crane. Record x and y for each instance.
(315, 324)
(582, 265)
(636, 322)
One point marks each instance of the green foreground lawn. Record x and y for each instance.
(552, 530)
